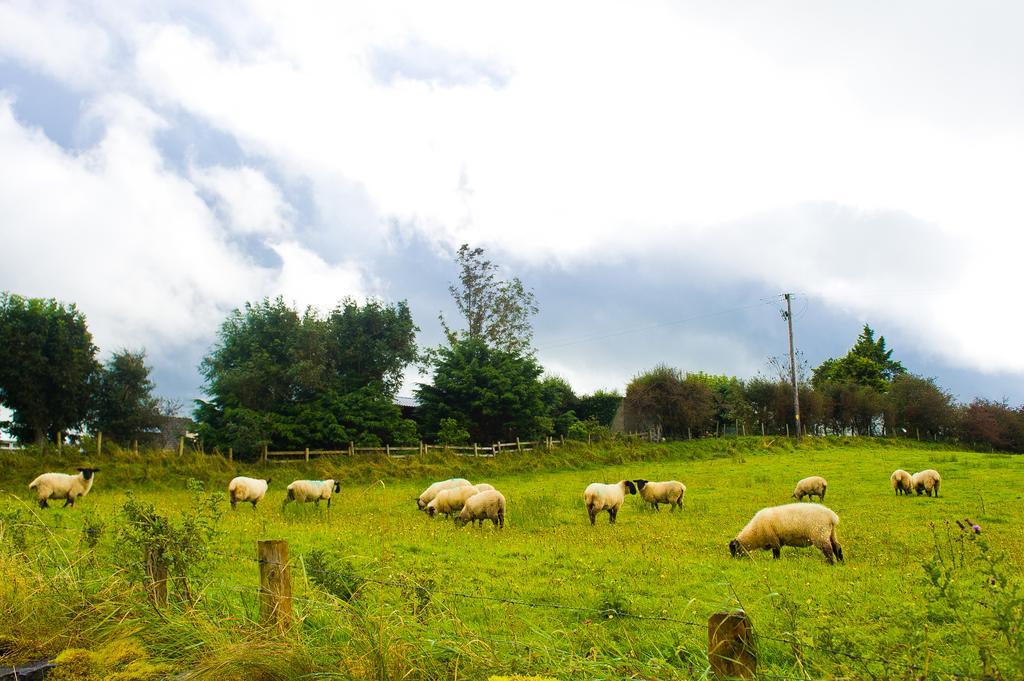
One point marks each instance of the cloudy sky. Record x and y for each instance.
(657, 172)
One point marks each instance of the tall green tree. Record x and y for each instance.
(496, 311)
(868, 363)
(282, 378)
(918, 405)
(492, 393)
(47, 366)
(601, 405)
(124, 407)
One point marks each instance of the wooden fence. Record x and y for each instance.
(477, 450)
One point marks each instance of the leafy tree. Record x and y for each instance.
(124, 408)
(601, 406)
(868, 363)
(995, 424)
(665, 400)
(47, 366)
(916, 404)
(559, 404)
(370, 344)
(281, 378)
(496, 311)
(451, 433)
(494, 393)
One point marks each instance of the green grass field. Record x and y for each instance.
(915, 598)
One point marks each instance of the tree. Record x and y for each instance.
(868, 363)
(492, 393)
(995, 424)
(496, 311)
(124, 408)
(917, 405)
(281, 378)
(665, 400)
(370, 344)
(601, 405)
(47, 366)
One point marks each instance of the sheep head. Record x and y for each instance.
(630, 487)
(640, 484)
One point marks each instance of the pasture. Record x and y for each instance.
(550, 595)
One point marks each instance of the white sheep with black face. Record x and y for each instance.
(304, 491)
(427, 495)
(63, 486)
(811, 487)
(488, 505)
(926, 482)
(902, 482)
(604, 497)
(247, 489)
(790, 525)
(670, 492)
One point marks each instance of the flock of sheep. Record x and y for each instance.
(793, 524)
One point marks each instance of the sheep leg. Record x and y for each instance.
(43, 504)
(936, 489)
(501, 520)
(837, 549)
(826, 548)
(593, 514)
(612, 512)
(233, 502)
(821, 497)
(253, 505)
(776, 552)
(328, 503)
(494, 521)
(70, 501)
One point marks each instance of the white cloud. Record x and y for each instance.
(249, 203)
(133, 243)
(867, 156)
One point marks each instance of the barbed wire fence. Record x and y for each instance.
(341, 607)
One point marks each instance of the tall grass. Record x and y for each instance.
(381, 590)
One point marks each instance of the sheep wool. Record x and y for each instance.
(811, 487)
(793, 524)
(488, 505)
(450, 501)
(654, 493)
(926, 482)
(429, 493)
(305, 491)
(902, 482)
(247, 489)
(604, 497)
(63, 486)
(483, 487)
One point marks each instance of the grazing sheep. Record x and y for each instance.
(483, 487)
(247, 489)
(809, 487)
(927, 481)
(63, 486)
(902, 481)
(489, 505)
(311, 490)
(429, 493)
(449, 501)
(654, 493)
(603, 497)
(790, 525)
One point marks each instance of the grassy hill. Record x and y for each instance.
(550, 594)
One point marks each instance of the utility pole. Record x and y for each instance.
(788, 314)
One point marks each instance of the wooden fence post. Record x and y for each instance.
(156, 570)
(181, 446)
(231, 454)
(60, 440)
(588, 439)
(264, 454)
(731, 646)
(476, 450)
(351, 448)
(519, 447)
(387, 448)
(689, 433)
(561, 439)
(762, 428)
(307, 454)
(275, 584)
(99, 443)
(787, 428)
